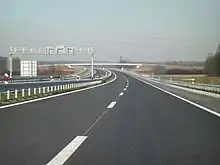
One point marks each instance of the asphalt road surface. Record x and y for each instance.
(111, 125)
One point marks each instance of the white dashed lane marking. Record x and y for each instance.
(112, 104)
(63, 155)
(121, 94)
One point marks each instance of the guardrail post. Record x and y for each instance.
(58, 87)
(16, 93)
(39, 90)
(44, 91)
(35, 91)
(22, 92)
(55, 88)
(48, 89)
(8, 94)
(68, 86)
(51, 88)
(61, 87)
(29, 91)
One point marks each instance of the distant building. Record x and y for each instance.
(120, 59)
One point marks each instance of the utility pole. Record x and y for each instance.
(92, 65)
(10, 61)
(91, 52)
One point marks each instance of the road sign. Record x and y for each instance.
(28, 68)
(49, 50)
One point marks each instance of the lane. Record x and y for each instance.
(34, 133)
(148, 126)
(204, 100)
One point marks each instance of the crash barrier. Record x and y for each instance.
(203, 87)
(11, 96)
(32, 92)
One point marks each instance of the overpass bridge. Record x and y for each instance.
(98, 64)
(168, 66)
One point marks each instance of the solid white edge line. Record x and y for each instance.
(188, 89)
(121, 94)
(112, 104)
(127, 81)
(179, 97)
(56, 95)
(65, 153)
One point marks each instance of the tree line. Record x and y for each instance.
(158, 69)
(212, 65)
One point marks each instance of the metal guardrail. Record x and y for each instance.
(11, 86)
(198, 86)
(39, 79)
(11, 96)
(19, 94)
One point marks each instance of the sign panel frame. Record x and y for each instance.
(28, 68)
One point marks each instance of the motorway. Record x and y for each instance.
(25, 85)
(126, 122)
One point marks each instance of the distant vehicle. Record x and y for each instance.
(77, 78)
(51, 78)
(6, 78)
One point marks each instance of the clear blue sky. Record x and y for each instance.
(150, 30)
